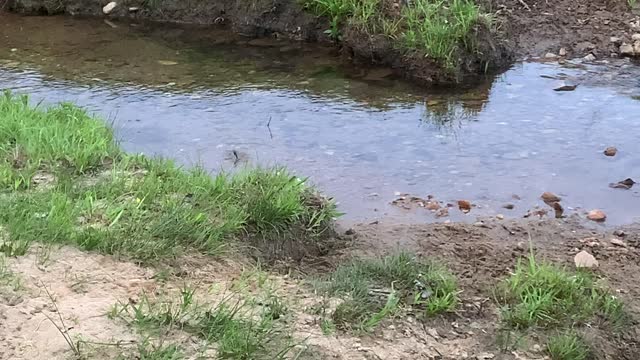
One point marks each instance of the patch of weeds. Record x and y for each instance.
(437, 28)
(327, 326)
(375, 289)
(541, 294)
(568, 346)
(240, 329)
(149, 351)
(9, 282)
(132, 206)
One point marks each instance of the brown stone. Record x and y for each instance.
(611, 151)
(464, 206)
(549, 197)
(585, 260)
(596, 215)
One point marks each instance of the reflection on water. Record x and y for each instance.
(359, 134)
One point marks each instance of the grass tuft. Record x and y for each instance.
(568, 346)
(541, 294)
(98, 198)
(375, 289)
(439, 29)
(239, 329)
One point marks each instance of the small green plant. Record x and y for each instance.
(568, 346)
(541, 294)
(375, 289)
(240, 329)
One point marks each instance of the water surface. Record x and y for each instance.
(205, 96)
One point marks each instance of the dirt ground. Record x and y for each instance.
(536, 27)
(85, 286)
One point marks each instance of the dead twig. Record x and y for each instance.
(63, 330)
(269, 127)
(524, 4)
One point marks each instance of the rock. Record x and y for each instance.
(585, 260)
(134, 9)
(442, 212)
(500, 217)
(562, 52)
(636, 48)
(618, 242)
(350, 232)
(485, 356)
(624, 184)
(550, 55)
(107, 9)
(635, 37)
(508, 206)
(610, 151)
(432, 205)
(433, 333)
(549, 197)
(559, 211)
(619, 233)
(167, 62)
(536, 348)
(615, 40)
(464, 206)
(596, 215)
(589, 57)
(626, 50)
(566, 88)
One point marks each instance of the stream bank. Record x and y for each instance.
(517, 29)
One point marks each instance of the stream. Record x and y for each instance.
(210, 97)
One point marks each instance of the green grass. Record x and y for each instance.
(541, 294)
(63, 180)
(239, 329)
(439, 29)
(375, 289)
(542, 297)
(568, 346)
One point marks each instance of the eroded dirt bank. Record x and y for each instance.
(85, 287)
(558, 29)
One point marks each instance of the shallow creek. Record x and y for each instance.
(205, 96)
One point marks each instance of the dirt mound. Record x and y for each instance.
(536, 27)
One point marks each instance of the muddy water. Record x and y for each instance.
(225, 101)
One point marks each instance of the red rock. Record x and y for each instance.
(464, 206)
(610, 151)
(596, 215)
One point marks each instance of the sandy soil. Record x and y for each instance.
(85, 286)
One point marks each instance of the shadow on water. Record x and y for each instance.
(199, 95)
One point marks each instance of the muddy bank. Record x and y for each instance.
(480, 254)
(288, 19)
(536, 28)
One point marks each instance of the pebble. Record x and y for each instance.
(508, 206)
(618, 242)
(596, 215)
(107, 9)
(610, 151)
(500, 217)
(549, 197)
(626, 50)
(635, 37)
(550, 55)
(562, 52)
(589, 57)
(585, 260)
(485, 356)
(619, 233)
